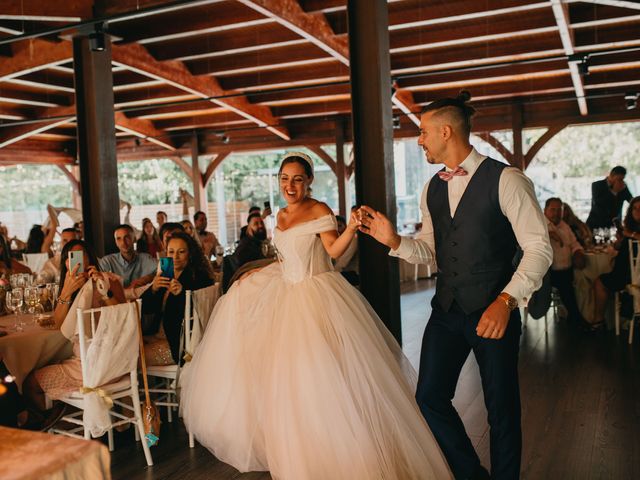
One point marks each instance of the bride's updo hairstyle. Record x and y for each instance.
(299, 158)
(454, 111)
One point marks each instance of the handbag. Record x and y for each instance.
(150, 414)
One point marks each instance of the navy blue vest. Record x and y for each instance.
(474, 249)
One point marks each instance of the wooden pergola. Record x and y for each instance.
(195, 81)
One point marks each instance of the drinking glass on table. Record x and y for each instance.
(32, 297)
(14, 300)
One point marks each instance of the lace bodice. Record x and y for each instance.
(300, 249)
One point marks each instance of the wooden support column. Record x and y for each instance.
(341, 174)
(516, 122)
(373, 146)
(199, 192)
(96, 144)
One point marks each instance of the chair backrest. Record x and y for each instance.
(105, 351)
(35, 261)
(634, 253)
(198, 307)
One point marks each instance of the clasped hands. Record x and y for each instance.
(171, 284)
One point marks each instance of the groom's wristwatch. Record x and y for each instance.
(511, 302)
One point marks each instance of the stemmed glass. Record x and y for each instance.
(32, 297)
(14, 300)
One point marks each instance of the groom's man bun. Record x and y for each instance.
(454, 111)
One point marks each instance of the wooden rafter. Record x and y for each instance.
(317, 30)
(137, 58)
(324, 156)
(561, 14)
(535, 148)
(47, 11)
(212, 167)
(614, 3)
(75, 183)
(32, 55)
(498, 145)
(143, 129)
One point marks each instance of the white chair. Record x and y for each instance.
(35, 261)
(633, 289)
(112, 353)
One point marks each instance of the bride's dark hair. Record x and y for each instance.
(308, 170)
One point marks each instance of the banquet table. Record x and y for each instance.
(34, 347)
(597, 263)
(30, 455)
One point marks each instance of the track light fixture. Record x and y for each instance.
(631, 100)
(97, 39)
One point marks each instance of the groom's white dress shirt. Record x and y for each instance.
(518, 203)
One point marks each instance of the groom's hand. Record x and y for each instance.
(494, 320)
(379, 227)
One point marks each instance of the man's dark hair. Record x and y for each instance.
(170, 226)
(550, 201)
(254, 208)
(253, 215)
(124, 226)
(161, 212)
(456, 108)
(619, 170)
(197, 214)
(70, 230)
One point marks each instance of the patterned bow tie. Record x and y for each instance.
(458, 172)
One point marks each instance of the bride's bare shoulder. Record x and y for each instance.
(320, 209)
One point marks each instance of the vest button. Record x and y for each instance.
(454, 244)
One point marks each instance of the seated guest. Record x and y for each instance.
(580, 229)
(161, 218)
(59, 379)
(607, 197)
(208, 240)
(149, 242)
(348, 263)
(165, 300)
(620, 276)
(567, 254)
(168, 229)
(131, 266)
(9, 266)
(250, 247)
(79, 228)
(253, 209)
(39, 241)
(51, 269)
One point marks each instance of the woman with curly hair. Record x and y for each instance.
(165, 300)
(620, 276)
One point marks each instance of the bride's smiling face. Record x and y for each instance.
(294, 182)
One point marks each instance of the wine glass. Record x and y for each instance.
(32, 298)
(14, 302)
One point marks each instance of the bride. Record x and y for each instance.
(296, 374)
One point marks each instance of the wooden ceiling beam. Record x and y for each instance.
(144, 129)
(613, 3)
(33, 55)
(47, 11)
(137, 58)
(561, 14)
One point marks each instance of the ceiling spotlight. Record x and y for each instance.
(631, 100)
(582, 62)
(224, 139)
(396, 122)
(97, 39)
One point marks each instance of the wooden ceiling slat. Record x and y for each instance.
(33, 55)
(50, 10)
(137, 58)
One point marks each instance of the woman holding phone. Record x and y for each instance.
(184, 268)
(296, 374)
(79, 267)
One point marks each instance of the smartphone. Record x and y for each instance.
(267, 204)
(166, 266)
(76, 257)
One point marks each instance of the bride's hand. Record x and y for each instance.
(354, 221)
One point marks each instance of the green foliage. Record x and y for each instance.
(32, 187)
(149, 182)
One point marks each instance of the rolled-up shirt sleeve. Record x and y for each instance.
(519, 204)
(420, 249)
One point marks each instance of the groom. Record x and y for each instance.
(475, 213)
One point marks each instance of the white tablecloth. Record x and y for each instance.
(26, 455)
(35, 347)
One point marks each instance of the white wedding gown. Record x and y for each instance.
(297, 375)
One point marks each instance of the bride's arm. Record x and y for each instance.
(335, 244)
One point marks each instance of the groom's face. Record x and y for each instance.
(430, 138)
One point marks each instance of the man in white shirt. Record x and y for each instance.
(51, 269)
(476, 212)
(567, 254)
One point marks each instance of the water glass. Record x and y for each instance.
(14, 302)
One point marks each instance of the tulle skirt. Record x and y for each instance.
(304, 380)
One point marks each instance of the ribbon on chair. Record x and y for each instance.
(98, 391)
